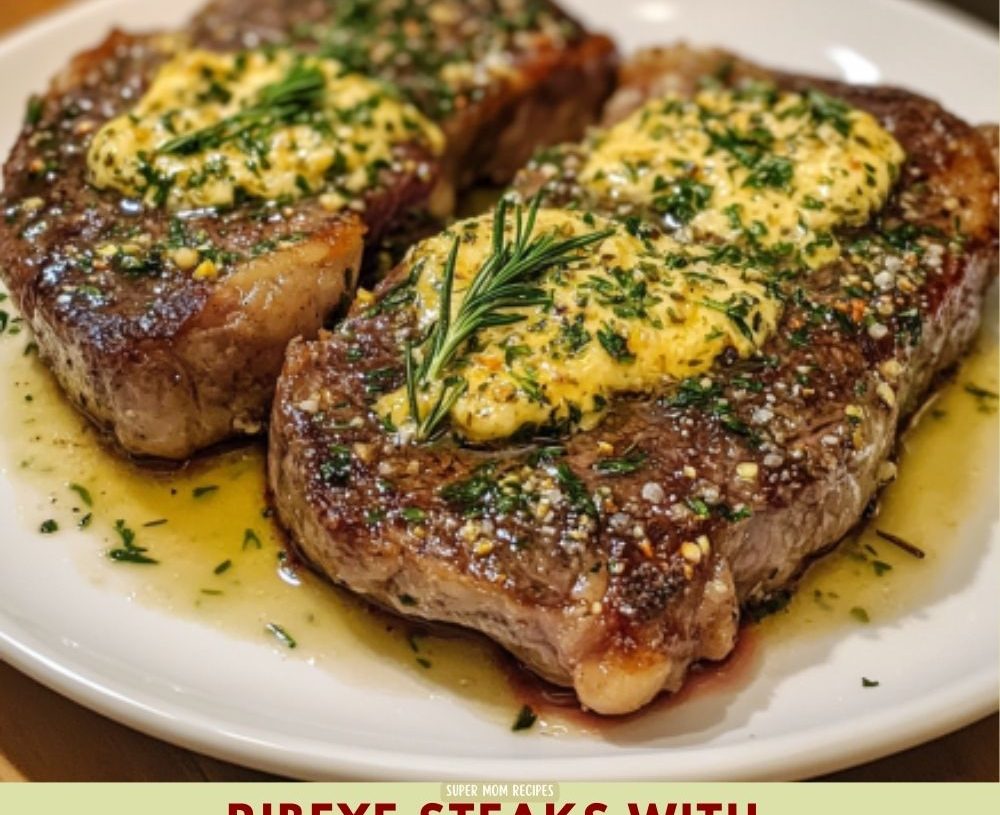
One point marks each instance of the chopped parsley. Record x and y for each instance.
(33, 110)
(880, 567)
(129, 551)
(681, 199)
(413, 514)
(250, 539)
(525, 719)
(615, 344)
(623, 465)
(336, 469)
(84, 494)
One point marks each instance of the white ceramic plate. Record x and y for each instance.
(800, 713)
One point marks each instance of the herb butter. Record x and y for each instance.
(780, 169)
(214, 129)
(624, 315)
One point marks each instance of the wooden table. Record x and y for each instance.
(44, 737)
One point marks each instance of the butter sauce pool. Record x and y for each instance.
(221, 561)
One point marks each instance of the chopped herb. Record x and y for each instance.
(250, 539)
(398, 296)
(379, 380)
(423, 662)
(734, 515)
(860, 614)
(482, 491)
(156, 522)
(615, 344)
(812, 203)
(336, 469)
(825, 108)
(529, 386)
(84, 494)
(281, 635)
(33, 111)
(413, 514)
(693, 393)
(698, 507)
(868, 683)
(747, 147)
(880, 567)
(223, 567)
(201, 492)
(129, 552)
(737, 309)
(628, 463)
(683, 198)
(84, 522)
(525, 719)
(576, 490)
(407, 600)
(515, 352)
(413, 637)
(48, 527)
(574, 336)
(770, 171)
(626, 294)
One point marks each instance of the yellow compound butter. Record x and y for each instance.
(215, 128)
(625, 315)
(780, 169)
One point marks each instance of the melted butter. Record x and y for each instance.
(622, 318)
(947, 472)
(334, 146)
(781, 168)
(220, 559)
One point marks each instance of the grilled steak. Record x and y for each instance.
(165, 312)
(611, 558)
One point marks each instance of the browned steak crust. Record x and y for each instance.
(618, 612)
(169, 364)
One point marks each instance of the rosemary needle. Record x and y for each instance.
(506, 280)
(299, 91)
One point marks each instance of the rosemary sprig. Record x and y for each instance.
(506, 280)
(299, 91)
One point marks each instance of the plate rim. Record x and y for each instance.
(831, 747)
(951, 708)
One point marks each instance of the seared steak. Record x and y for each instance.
(166, 321)
(610, 559)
